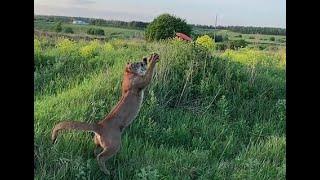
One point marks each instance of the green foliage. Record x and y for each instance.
(90, 50)
(68, 30)
(58, 27)
(221, 46)
(95, 31)
(37, 52)
(148, 174)
(262, 47)
(236, 44)
(165, 26)
(272, 38)
(220, 38)
(206, 42)
(204, 115)
(262, 160)
(66, 47)
(282, 40)
(108, 47)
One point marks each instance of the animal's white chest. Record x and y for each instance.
(136, 110)
(139, 103)
(140, 100)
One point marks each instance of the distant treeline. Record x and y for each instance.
(142, 25)
(247, 29)
(94, 21)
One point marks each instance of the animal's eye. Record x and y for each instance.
(142, 64)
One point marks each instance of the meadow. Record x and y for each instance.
(123, 33)
(81, 30)
(206, 114)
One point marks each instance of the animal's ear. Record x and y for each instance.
(145, 60)
(128, 67)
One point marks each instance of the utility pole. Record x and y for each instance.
(215, 28)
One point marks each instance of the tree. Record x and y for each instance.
(165, 26)
(58, 27)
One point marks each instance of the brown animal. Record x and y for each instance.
(108, 131)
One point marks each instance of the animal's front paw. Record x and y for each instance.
(154, 58)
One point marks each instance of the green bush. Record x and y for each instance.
(221, 46)
(283, 40)
(272, 38)
(236, 44)
(68, 30)
(262, 47)
(58, 27)
(165, 26)
(205, 41)
(220, 38)
(95, 31)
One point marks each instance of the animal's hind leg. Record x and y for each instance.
(106, 154)
(98, 148)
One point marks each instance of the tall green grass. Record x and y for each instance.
(204, 116)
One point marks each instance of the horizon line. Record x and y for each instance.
(168, 13)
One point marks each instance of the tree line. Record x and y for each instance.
(143, 25)
(247, 29)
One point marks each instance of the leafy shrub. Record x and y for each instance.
(236, 44)
(37, 47)
(205, 41)
(68, 30)
(108, 47)
(248, 56)
(90, 50)
(251, 37)
(148, 174)
(220, 38)
(165, 26)
(195, 35)
(282, 40)
(58, 27)
(95, 31)
(37, 51)
(66, 47)
(272, 38)
(262, 47)
(221, 46)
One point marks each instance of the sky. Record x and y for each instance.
(263, 13)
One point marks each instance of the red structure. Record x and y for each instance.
(183, 37)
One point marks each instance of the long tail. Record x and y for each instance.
(72, 125)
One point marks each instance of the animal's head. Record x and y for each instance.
(139, 68)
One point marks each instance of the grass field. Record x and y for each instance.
(110, 32)
(206, 115)
(121, 33)
(251, 38)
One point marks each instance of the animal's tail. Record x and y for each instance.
(72, 125)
